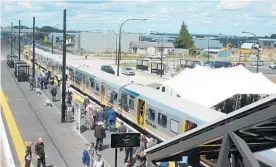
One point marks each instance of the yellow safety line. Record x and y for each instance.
(13, 129)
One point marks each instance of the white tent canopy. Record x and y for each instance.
(209, 87)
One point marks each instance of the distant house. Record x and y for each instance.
(150, 48)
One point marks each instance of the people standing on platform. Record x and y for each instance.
(28, 154)
(40, 153)
(99, 135)
(99, 162)
(105, 111)
(32, 83)
(152, 142)
(54, 93)
(144, 140)
(122, 128)
(128, 154)
(140, 156)
(86, 156)
(85, 103)
(89, 115)
(100, 116)
(111, 119)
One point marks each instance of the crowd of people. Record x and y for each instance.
(237, 102)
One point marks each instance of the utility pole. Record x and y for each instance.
(19, 58)
(63, 69)
(11, 36)
(34, 48)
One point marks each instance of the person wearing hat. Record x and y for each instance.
(99, 134)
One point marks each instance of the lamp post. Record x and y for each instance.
(255, 37)
(19, 58)
(116, 38)
(120, 37)
(161, 52)
(63, 105)
(33, 74)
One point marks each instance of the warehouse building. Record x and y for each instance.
(103, 41)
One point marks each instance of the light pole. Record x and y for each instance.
(161, 52)
(226, 41)
(19, 58)
(63, 105)
(116, 38)
(255, 37)
(120, 37)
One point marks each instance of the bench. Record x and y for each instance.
(38, 91)
(48, 103)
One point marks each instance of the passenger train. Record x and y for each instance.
(153, 111)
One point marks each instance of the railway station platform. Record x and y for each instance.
(26, 118)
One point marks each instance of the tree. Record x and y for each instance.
(184, 39)
(273, 36)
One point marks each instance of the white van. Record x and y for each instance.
(260, 63)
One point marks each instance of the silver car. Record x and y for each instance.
(128, 71)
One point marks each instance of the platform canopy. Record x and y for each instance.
(209, 87)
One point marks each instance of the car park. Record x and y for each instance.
(108, 69)
(128, 71)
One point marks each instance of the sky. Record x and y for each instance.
(227, 17)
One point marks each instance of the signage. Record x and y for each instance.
(77, 115)
(119, 140)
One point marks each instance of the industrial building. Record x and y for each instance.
(104, 41)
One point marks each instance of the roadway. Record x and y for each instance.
(26, 118)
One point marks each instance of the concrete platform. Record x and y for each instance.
(64, 146)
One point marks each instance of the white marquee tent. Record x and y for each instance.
(209, 87)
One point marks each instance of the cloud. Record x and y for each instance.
(234, 4)
(166, 10)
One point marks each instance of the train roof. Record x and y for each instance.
(187, 107)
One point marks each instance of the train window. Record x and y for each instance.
(97, 87)
(92, 82)
(151, 114)
(131, 103)
(78, 77)
(71, 74)
(174, 126)
(191, 125)
(162, 120)
(124, 102)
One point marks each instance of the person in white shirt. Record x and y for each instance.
(99, 162)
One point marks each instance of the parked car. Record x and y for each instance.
(272, 65)
(208, 63)
(260, 63)
(220, 64)
(108, 69)
(128, 71)
(237, 64)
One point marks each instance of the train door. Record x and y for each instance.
(141, 112)
(103, 92)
